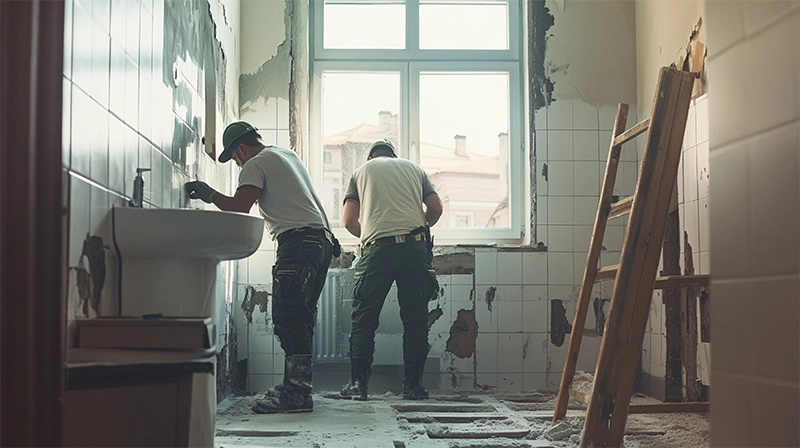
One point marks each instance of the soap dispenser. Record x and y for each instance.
(138, 188)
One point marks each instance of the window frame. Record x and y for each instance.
(410, 62)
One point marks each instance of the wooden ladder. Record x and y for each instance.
(635, 275)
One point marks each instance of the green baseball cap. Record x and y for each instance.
(233, 132)
(385, 143)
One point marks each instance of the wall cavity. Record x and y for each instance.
(463, 334)
(559, 324)
(541, 86)
(91, 274)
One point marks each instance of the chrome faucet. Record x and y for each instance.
(138, 188)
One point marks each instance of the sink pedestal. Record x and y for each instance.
(174, 286)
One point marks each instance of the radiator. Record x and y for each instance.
(330, 338)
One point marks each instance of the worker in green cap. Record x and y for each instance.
(277, 179)
(390, 205)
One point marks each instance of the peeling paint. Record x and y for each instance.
(255, 295)
(559, 325)
(490, 293)
(273, 78)
(463, 334)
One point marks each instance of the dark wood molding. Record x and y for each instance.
(31, 222)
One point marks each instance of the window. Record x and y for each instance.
(439, 78)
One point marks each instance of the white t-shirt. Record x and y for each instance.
(390, 192)
(288, 200)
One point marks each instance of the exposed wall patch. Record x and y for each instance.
(559, 325)
(91, 274)
(463, 334)
(599, 314)
(257, 295)
(541, 87)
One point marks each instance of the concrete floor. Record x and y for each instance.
(452, 421)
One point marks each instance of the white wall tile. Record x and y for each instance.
(729, 187)
(259, 270)
(560, 178)
(510, 317)
(486, 314)
(560, 269)
(559, 115)
(510, 382)
(774, 162)
(535, 309)
(585, 116)
(534, 381)
(510, 352)
(732, 332)
(559, 145)
(778, 361)
(587, 146)
(80, 200)
(703, 171)
(585, 211)
(560, 210)
(690, 175)
(535, 358)
(534, 268)
(486, 353)
(774, 413)
(690, 135)
(509, 268)
(587, 179)
(560, 238)
(486, 267)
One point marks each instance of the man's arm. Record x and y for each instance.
(242, 201)
(433, 209)
(352, 209)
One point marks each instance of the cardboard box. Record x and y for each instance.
(185, 333)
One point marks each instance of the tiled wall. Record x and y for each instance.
(127, 106)
(754, 136)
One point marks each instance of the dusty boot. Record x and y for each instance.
(412, 381)
(276, 390)
(360, 371)
(296, 393)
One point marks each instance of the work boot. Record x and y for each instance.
(412, 381)
(296, 393)
(360, 371)
(276, 390)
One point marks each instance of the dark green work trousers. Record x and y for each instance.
(409, 264)
(301, 266)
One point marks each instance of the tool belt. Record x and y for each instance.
(414, 236)
(337, 248)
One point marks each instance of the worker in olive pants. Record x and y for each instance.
(390, 205)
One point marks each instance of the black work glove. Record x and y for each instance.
(200, 190)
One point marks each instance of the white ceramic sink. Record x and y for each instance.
(169, 257)
(181, 232)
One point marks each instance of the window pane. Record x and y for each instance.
(464, 121)
(463, 25)
(357, 110)
(362, 25)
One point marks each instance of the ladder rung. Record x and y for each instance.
(669, 282)
(620, 208)
(631, 133)
(682, 281)
(668, 408)
(606, 273)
